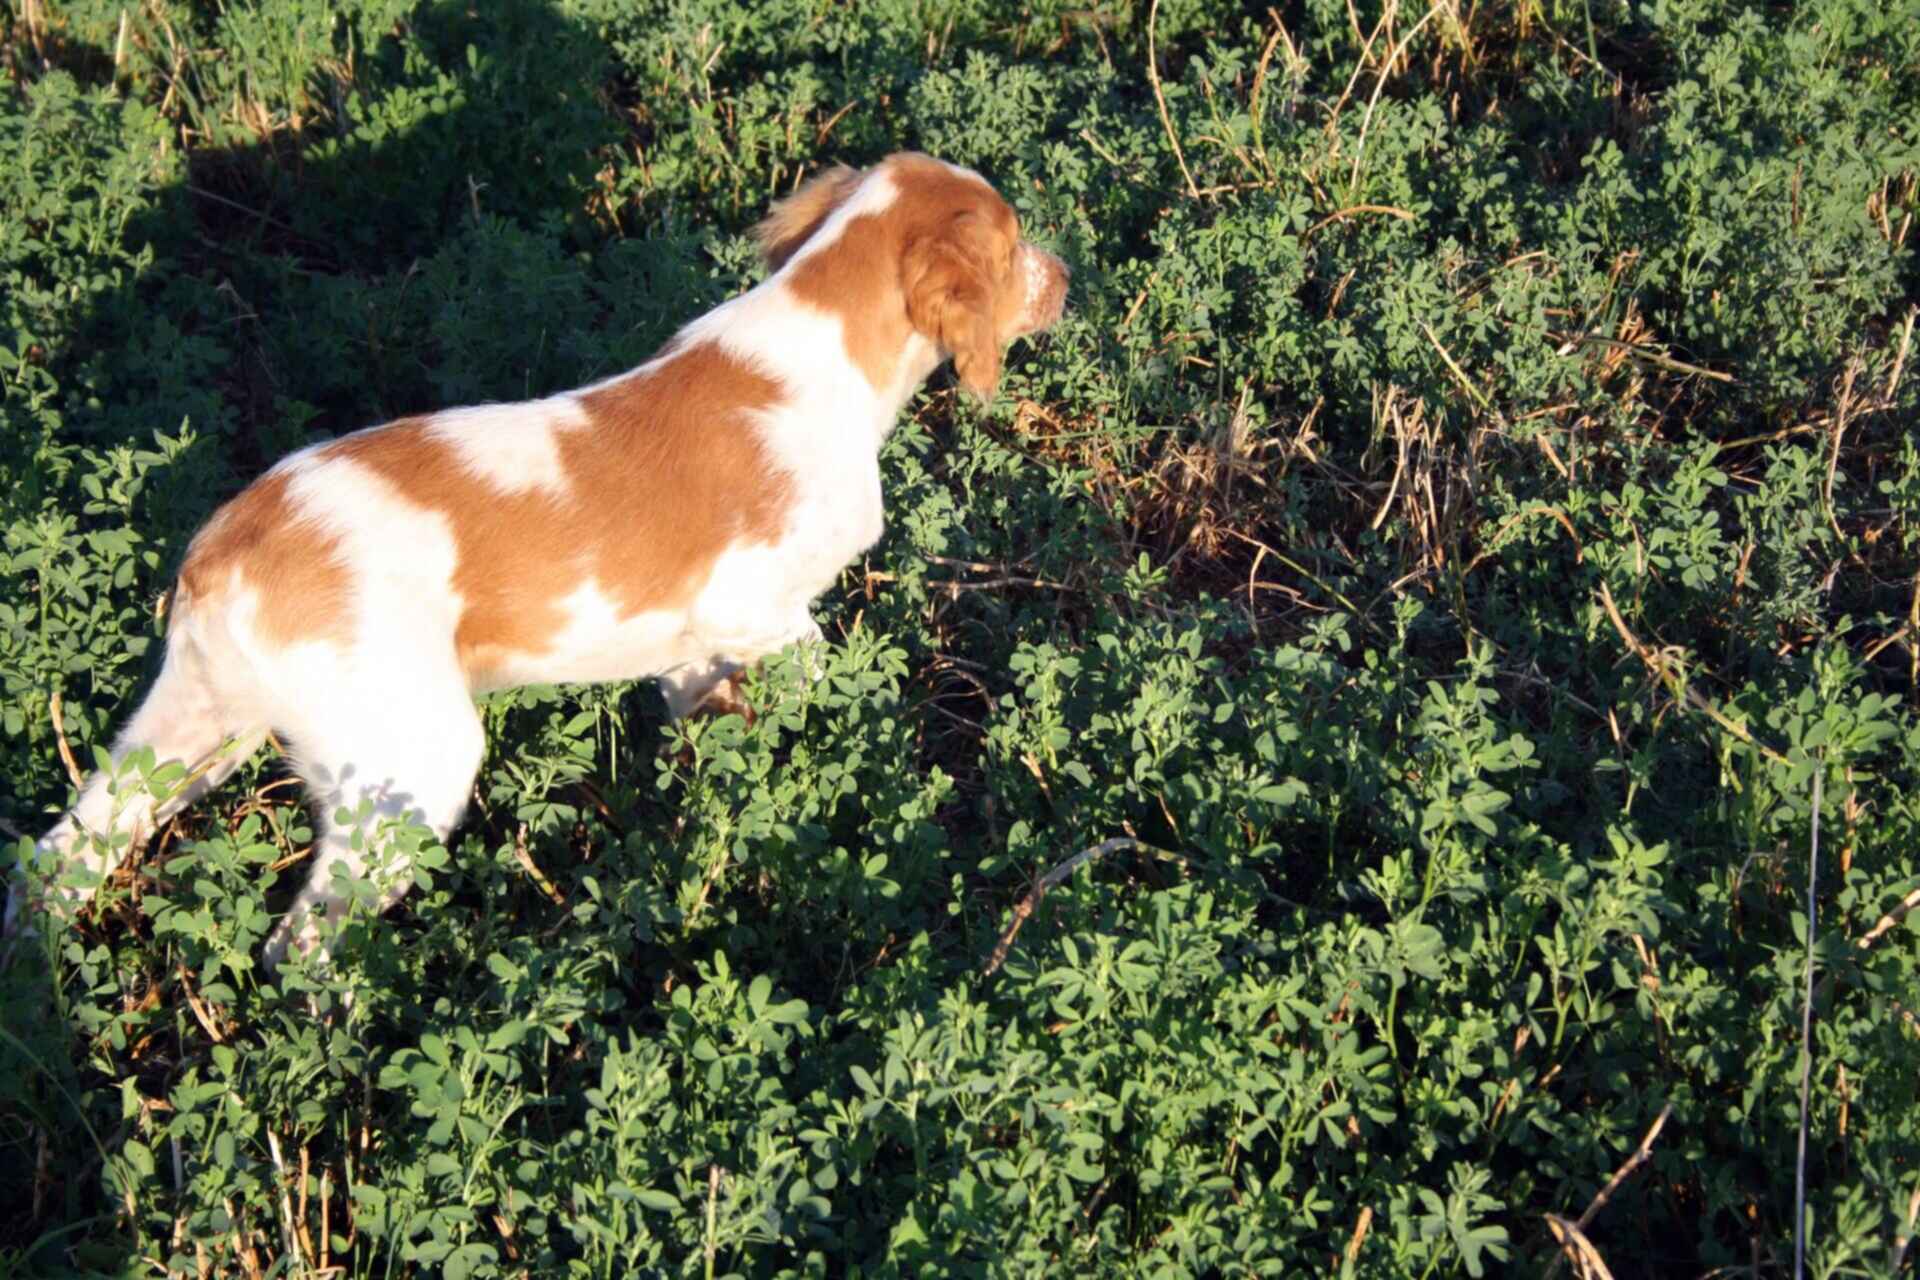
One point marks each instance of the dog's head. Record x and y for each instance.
(942, 241)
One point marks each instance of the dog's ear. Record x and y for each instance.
(949, 284)
(791, 222)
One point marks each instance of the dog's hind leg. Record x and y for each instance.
(183, 720)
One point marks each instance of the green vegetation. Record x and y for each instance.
(1471, 503)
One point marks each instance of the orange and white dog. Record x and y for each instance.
(674, 521)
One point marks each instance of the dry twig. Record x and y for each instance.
(1573, 1242)
(1658, 359)
(1900, 911)
(1658, 667)
(1903, 1236)
(1366, 121)
(287, 1228)
(1160, 97)
(1641, 1154)
(539, 877)
(60, 741)
(1806, 1040)
(1296, 64)
(201, 1013)
(1039, 891)
(1405, 215)
(1360, 1228)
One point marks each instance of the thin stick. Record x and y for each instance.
(1641, 1154)
(1360, 63)
(1806, 1040)
(1460, 375)
(306, 1241)
(1872, 651)
(1657, 667)
(977, 566)
(1253, 616)
(286, 1201)
(1573, 1243)
(1139, 299)
(1260, 80)
(1100, 149)
(953, 588)
(1903, 1236)
(1843, 412)
(1039, 891)
(1400, 463)
(60, 741)
(532, 869)
(1900, 358)
(326, 1216)
(1360, 1228)
(1405, 215)
(1537, 509)
(1366, 121)
(200, 1011)
(1655, 358)
(1159, 96)
(31, 15)
(713, 1196)
(1900, 912)
(1306, 573)
(237, 207)
(820, 138)
(1770, 437)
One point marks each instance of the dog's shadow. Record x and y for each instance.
(430, 229)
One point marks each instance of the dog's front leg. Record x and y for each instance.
(714, 687)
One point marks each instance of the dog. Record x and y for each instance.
(675, 521)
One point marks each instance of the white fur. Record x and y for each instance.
(1035, 275)
(512, 446)
(386, 719)
(597, 643)
(371, 519)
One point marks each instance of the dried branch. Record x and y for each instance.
(1806, 1041)
(1572, 1235)
(1659, 360)
(1160, 97)
(1386, 69)
(1028, 904)
(1573, 1242)
(60, 741)
(527, 864)
(201, 1013)
(1886, 922)
(1659, 668)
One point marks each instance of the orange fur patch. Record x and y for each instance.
(666, 473)
(293, 563)
(938, 259)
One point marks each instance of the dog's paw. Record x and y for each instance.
(727, 698)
